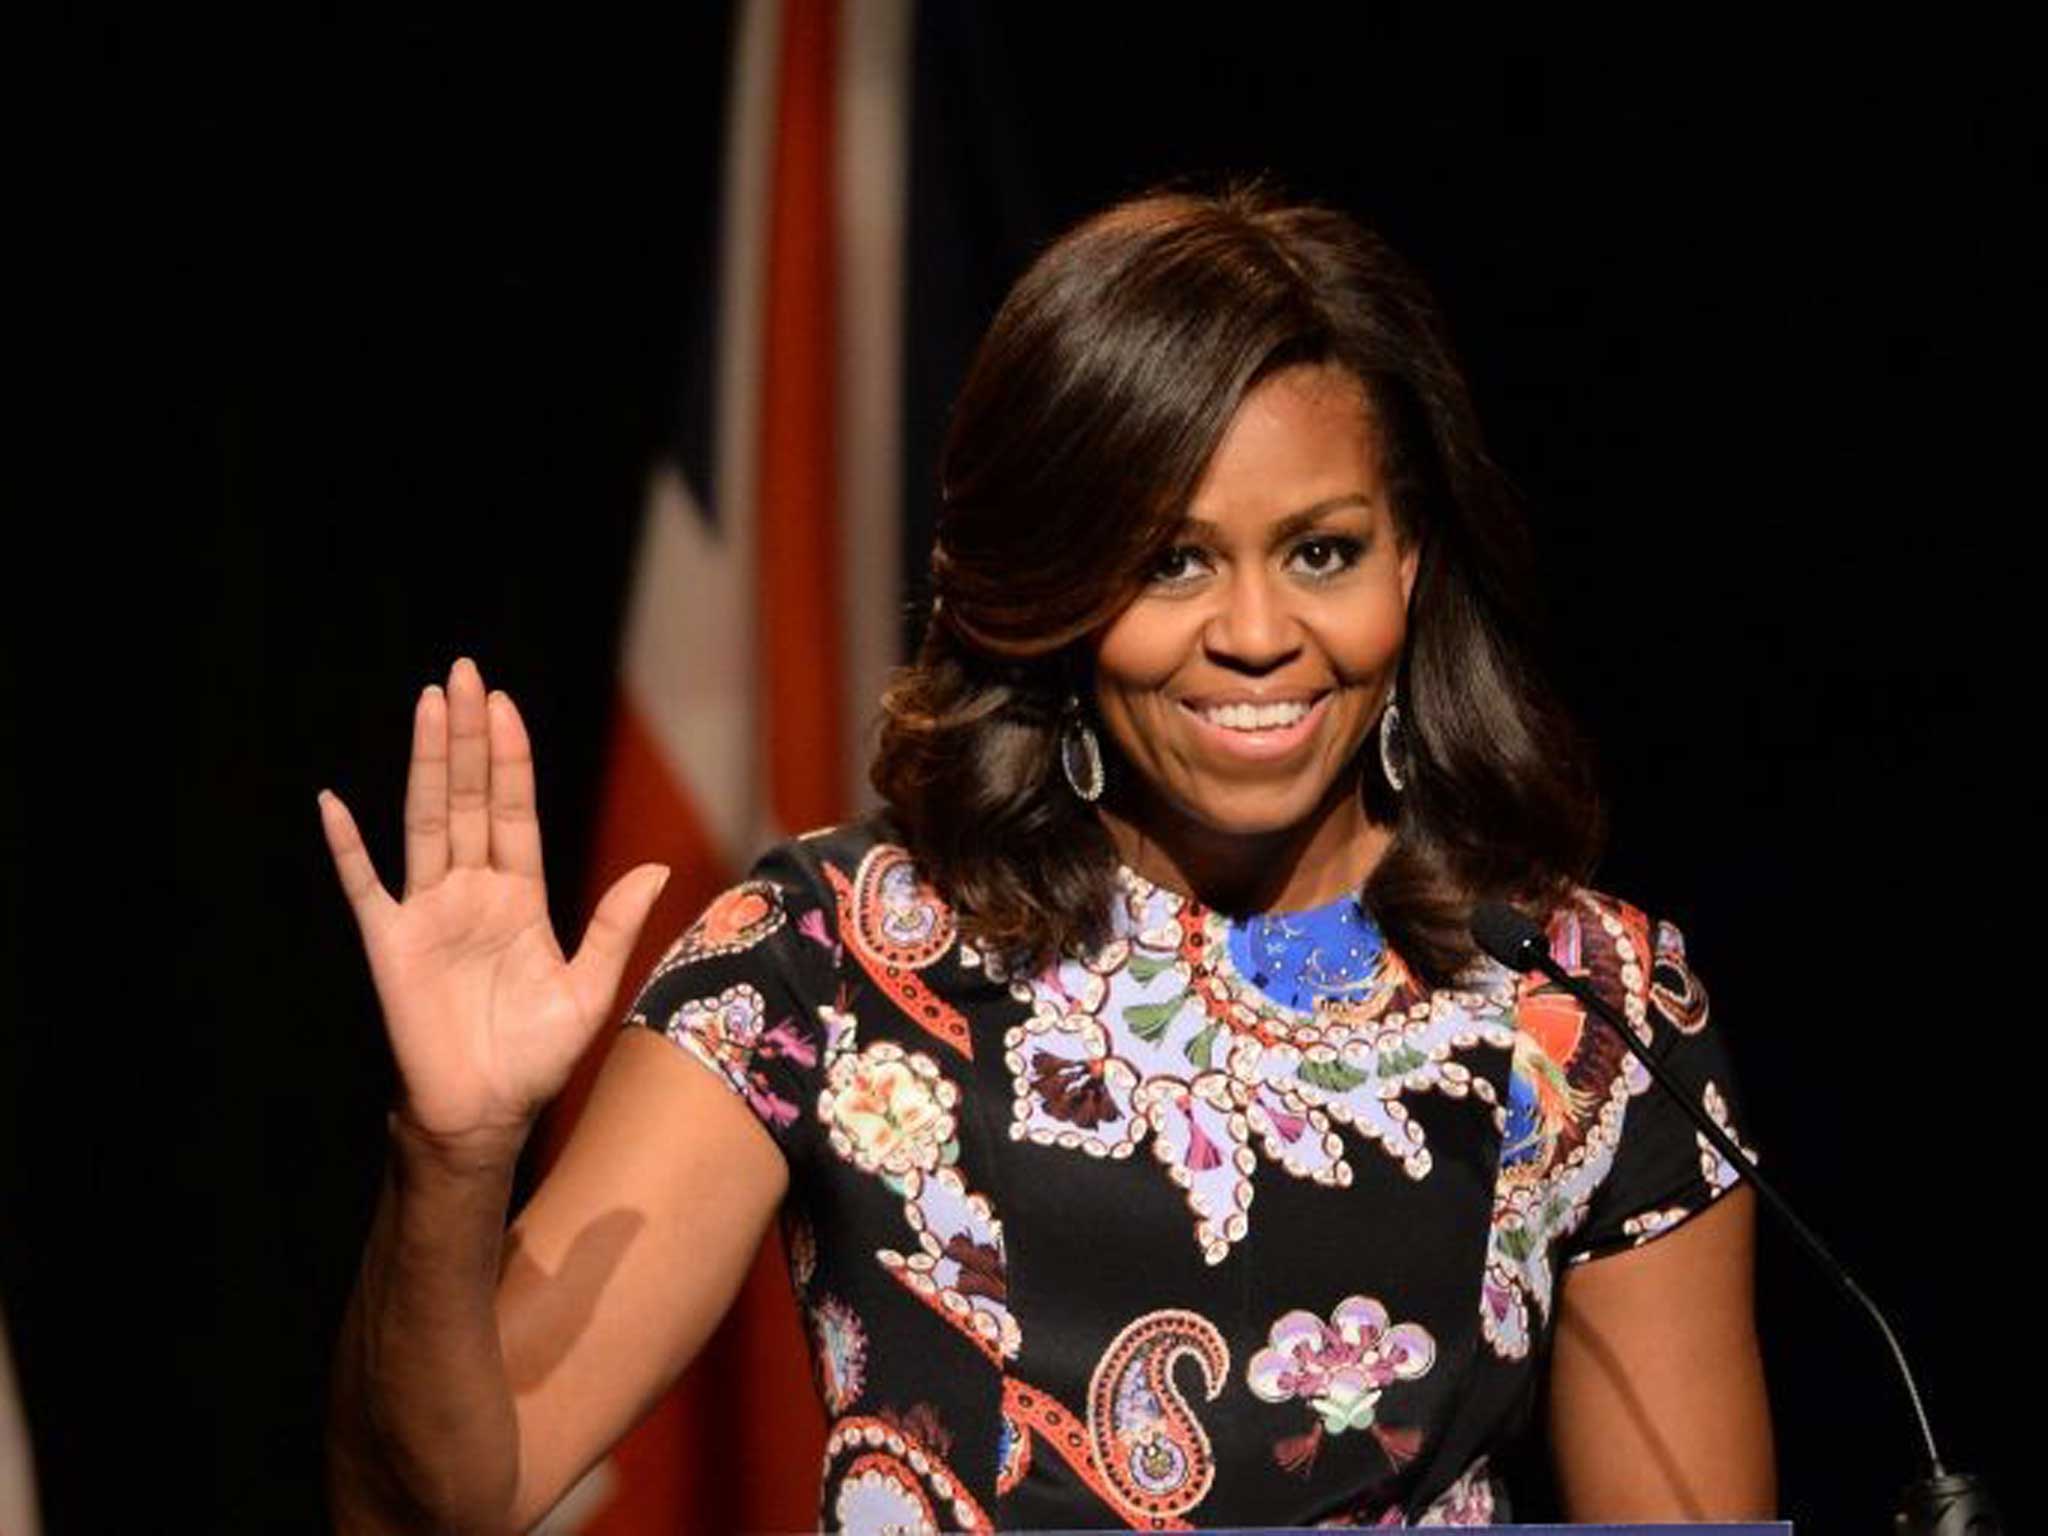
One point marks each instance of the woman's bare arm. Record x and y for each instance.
(478, 1373)
(1657, 1405)
(628, 1256)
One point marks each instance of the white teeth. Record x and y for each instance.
(1255, 717)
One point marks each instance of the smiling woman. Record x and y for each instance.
(1216, 452)
(1240, 682)
(1225, 722)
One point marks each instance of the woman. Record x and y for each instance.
(1224, 722)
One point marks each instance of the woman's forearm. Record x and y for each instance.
(422, 1429)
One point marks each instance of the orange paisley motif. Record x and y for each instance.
(895, 1481)
(1141, 1449)
(737, 919)
(895, 925)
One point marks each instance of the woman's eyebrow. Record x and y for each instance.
(1293, 523)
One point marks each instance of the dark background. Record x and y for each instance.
(361, 339)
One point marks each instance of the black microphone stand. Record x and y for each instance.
(1943, 1503)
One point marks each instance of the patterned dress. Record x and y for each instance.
(1234, 1222)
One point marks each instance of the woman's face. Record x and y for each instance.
(1243, 679)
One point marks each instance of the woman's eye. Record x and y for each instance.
(1326, 556)
(1180, 564)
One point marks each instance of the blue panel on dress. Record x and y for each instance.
(1300, 958)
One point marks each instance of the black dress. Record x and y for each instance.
(1234, 1223)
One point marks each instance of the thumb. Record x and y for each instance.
(608, 942)
(366, 894)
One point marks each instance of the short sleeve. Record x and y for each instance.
(747, 990)
(1664, 1169)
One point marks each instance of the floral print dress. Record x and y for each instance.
(1231, 1222)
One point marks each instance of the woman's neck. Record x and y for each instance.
(1326, 856)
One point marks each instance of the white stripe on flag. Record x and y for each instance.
(689, 662)
(689, 658)
(874, 197)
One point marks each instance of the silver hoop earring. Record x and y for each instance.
(1080, 753)
(1393, 746)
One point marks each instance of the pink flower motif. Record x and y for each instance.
(1305, 1356)
(1340, 1368)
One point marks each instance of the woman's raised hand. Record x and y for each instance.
(486, 1016)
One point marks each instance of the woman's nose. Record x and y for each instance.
(1251, 629)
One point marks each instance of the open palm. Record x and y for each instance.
(486, 1015)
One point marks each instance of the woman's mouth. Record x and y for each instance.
(1257, 729)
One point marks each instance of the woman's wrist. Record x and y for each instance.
(486, 1152)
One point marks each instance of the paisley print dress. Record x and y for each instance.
(1232, 1222)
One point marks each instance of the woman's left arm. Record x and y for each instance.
(1657, 1406)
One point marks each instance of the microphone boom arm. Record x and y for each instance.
(1531, 953)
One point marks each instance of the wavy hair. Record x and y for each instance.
(1090, 412)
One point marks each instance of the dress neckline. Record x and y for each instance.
(1145, 888)
(1296, 958)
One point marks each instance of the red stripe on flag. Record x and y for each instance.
(798, 620)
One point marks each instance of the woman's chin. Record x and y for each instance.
(1260, 815)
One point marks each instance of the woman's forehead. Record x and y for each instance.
(1298, 438)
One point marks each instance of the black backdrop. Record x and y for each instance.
(362, 337)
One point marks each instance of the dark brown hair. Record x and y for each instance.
(1091, 410)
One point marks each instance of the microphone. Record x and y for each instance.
(1942, 1503)
(1510, 936)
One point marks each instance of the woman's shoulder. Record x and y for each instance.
(1627, 955)
(857, 875)
(825, 856)
(804, 883)
(1580, 905)
(1638, 962)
